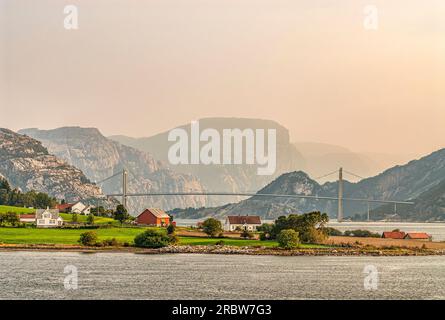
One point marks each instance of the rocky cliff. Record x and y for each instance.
(226, 178)
(28, 165)
(100, 158)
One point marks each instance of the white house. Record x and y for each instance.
(77, 207)
(249, 223)
(48, 218)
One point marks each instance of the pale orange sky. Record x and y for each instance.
(141, 67)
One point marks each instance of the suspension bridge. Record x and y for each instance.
(339, 198)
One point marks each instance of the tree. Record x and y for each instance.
(90, 219)
(74, 217)
(153, 239)
(4, 185)
(311, 226)
(333, 232)
(121, 214)
(212, 227)
(171, 228)
(288, 239)
(88, 238)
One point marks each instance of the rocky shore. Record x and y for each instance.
(214, 249)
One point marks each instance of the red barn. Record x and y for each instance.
(153, 217)
(394, 235)
(418, 236)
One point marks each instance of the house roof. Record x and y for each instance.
(417, 235)
(158, 213)
(27, 216)
(244, 219)
(54, 213)
(394, 234)
(64, 206)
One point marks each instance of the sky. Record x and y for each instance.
(137, 68)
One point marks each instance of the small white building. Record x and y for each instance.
(249, 223)
(48, 218)
(77, 207)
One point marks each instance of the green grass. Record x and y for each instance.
(227, 241)
(71, 236)
(63, 236)
(68, 217)
(4, 209)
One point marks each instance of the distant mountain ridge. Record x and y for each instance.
(321, 158)
(100, 158)
(225, 178)
(419, 180)
(28, 165)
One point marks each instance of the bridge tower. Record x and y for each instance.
(124, 188)
(340, 195)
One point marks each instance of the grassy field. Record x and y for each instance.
(71, 236)
(4, 209)
(68, 217)
(62, 236)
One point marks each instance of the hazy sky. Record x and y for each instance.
(140, 67)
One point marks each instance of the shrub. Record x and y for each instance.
(264, 236)
(288, 239)
(333, 232)
(219, 243)
(88, 238)
(246, 234)
(111, 242)
(153, 239)
(173, 239)
(90, 219)
(361, 233)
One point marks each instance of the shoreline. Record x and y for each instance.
(261, 251)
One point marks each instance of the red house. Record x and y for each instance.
(153, 217)
(394, 235)
(418, 236)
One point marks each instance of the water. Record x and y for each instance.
(437, 230)
(39, 275)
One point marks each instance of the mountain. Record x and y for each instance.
(293, 183)
(428, 206)
(419, 180)
(225, 178)
(28, 165)
(100, 158)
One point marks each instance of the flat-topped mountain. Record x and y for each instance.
(225, 178)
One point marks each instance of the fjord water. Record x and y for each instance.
(40, 275)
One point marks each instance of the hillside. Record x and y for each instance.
(430, 205)
(419, 179)
(28, 165)
(100, 158)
